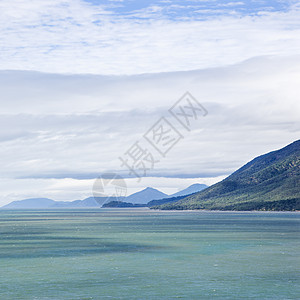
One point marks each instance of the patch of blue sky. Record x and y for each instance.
(178, 9)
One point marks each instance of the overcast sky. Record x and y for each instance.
(82, 81)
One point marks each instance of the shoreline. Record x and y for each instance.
(147, 209)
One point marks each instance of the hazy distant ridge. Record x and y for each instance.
(141, 197)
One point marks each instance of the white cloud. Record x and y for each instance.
(75, 37)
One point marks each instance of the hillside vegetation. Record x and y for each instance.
(268, 182)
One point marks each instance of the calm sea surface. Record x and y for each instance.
(143, 254)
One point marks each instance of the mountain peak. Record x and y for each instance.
(149, 189)
(146, 195)
(196, 187)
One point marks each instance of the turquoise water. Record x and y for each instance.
(143, 254)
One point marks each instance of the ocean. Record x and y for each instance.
(146, 254)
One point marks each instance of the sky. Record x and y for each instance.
(82, 81)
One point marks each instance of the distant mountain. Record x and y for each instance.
(97, 201)
(268, 182)
(141, 198)
(172, 198)
(197, 187)
(45, 203)
(146, 195)
(31, 203)
(165, 200)
(88, 202)
(156, 198)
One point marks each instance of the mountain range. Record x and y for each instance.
(268, 182)
(140, 198)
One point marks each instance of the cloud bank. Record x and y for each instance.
(82, 81)
(74, 127)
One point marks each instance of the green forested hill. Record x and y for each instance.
(268, 182)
